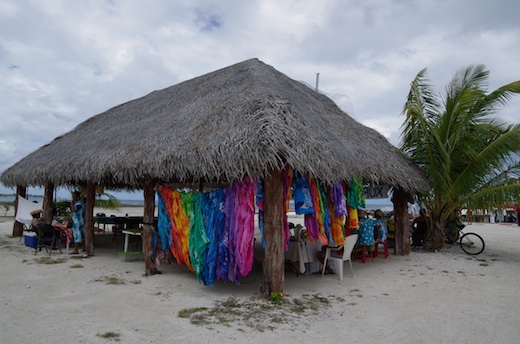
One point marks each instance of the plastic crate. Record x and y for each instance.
(30, 241)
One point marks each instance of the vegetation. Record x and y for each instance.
(6, 207)
(260, 314)
(110, 335)
(469, 157)
(111, 280)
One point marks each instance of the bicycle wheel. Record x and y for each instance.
(472, 243)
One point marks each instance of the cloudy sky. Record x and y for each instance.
(63, 61)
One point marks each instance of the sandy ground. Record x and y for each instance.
(443, 297)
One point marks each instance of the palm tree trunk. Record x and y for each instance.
(148, 220)
(435, 238)
(17, 226)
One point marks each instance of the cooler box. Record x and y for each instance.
(30, 240)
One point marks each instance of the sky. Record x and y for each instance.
(64, 61)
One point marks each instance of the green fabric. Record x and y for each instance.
(355, 193)
(199, 241)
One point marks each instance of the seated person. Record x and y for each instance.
(36, 220)
(380, 228)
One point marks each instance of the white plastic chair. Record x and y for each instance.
(350, 241)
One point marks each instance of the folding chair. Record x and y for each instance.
(47, 237)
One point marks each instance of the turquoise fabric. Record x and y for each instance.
(78, 222)
(366, 231)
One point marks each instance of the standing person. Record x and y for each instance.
(78, 221)
(469, 215)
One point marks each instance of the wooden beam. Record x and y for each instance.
(402, 226)
(48, 204)
(17, 226)
(148, 220)
(273, 265)
(89, 218)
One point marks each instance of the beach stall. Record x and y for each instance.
(240, 139)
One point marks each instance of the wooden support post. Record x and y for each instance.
(17, 226)
(48, 204)
(274, 262)
(402, 226)
(89, 218)
(148, 218)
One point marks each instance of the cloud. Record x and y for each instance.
(62, 62)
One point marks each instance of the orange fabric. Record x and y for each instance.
(336, 225)
(180, 231)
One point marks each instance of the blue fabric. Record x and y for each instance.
(325, 213)
(383, 230)
(222, 235)
(229, 212)
(366, 231)
(338, 199)
(260, 205)
(212, 207)
(164, 224)
(155, 241)
(78, 222)
(302, 195)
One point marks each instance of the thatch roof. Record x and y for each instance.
(245, 119)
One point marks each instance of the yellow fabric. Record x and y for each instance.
(353, 219)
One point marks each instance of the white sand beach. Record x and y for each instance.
(443, 297)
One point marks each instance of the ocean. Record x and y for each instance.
(371, 204)
(124, 202)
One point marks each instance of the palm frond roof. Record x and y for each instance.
(243, 120)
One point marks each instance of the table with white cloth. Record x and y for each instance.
(128, 232)
(304, 252)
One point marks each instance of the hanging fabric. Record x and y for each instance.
(163, 222)
(287, 190)
(212, 213)
(336, 225)
(353, 218)
(199, 240)
(302, 195)
(355, 193)
(325, 234)
(312, 220)
(229, 212)
(338, 199)
(244, 225)
(180, 231)
(260, 206)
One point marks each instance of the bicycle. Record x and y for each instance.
(471, 243)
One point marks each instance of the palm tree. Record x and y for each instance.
(469, 157)
(103, 198)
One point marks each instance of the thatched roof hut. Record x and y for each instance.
(245, 119)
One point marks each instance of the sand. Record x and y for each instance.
(442, 297)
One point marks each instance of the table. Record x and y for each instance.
(127, 233)
(303, 252)
(110, 220)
